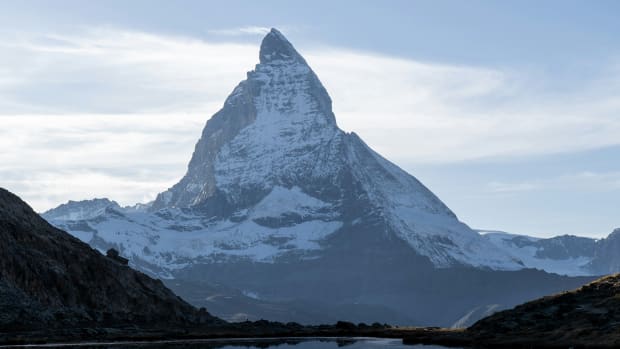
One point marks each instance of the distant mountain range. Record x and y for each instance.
(282, 215)
(564, 255)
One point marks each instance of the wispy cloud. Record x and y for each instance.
(120, 94)
(502, 187)
(590, 181)
(585, 181)
(49, 159)
(421, 112)
(249, 30)
(111, 71)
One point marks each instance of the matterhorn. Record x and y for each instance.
(282, 215)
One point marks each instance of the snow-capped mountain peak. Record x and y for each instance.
(274, 147)
(275, 47)
(278, 201)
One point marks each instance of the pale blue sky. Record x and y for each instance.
(508, 111)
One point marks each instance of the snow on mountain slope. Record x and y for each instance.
(170, 239)
(273, 176)
(419, 217)
(564, 255)
(294, 200)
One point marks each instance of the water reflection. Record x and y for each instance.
(280, 343)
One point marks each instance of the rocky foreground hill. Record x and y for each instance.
(587, 316)
(50, 279)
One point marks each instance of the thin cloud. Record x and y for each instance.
(585, 181)
(250, 30)
(49, 159)
(591, 181)
(501, 187)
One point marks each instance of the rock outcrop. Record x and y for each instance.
(606, 257)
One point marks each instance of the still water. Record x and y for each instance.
(282, 343)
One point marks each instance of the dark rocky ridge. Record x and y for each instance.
(588, 316)
(49, 279)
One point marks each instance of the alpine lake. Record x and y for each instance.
(248, 343)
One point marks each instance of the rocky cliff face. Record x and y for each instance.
(606, 257)
(48, 278)
(290, 114)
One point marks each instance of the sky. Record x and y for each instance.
(508, 111)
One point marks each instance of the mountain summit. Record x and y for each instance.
(280, 112)
(281, 205)
(275, 142)
(276, 47)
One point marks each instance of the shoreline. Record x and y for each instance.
(240, 340)
(227, 335)
(114, 336)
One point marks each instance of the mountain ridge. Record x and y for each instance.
(584, 317)
(563, 254)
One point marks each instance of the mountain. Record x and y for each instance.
(81, 210)
(49, 279)
(585, 317)
(281, 205)
(272, 175)
(565, 254)
(606, 259)
(274, 158)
